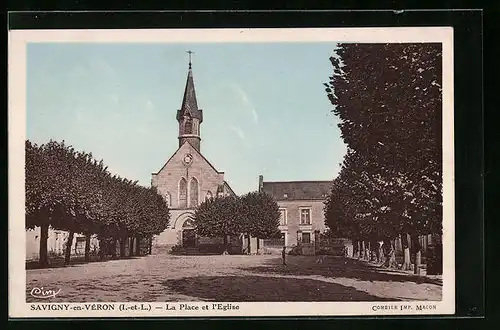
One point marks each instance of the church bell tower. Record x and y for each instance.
(189, 116)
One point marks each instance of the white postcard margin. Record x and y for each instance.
(17, 47)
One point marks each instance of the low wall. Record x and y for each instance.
(161, 249)
(56, 243)
(274, 250)
(308, 249)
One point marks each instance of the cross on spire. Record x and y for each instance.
(190, 53)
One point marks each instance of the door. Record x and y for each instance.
(188, 238)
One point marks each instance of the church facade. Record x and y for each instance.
(187, 178)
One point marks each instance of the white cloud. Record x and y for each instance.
(238, 132)
(246, 101)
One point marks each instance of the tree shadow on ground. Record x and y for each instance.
(259, 288)
(58, 262)
(337, 267)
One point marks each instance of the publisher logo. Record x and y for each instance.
(42, 293)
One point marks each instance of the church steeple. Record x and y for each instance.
(189, 116)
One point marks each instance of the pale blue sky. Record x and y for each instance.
(265, 108)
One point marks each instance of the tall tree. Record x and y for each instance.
(388, 98)
(219, 217)
(260, 214)
(47, 190)
(71, 191)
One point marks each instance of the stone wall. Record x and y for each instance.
(168, 178)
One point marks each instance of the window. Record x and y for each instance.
(183, 193)
(193, 192)
(306, 238)
(305, 216)
(195, 128)
(167, 198)
(188, 126)
(283, 217)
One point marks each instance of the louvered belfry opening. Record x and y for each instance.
(189, 116)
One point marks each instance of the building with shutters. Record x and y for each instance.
(301, 206)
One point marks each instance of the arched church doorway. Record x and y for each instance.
(188, 234)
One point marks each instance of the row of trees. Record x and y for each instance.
(255, 214)
(388, 99)
(70, 190)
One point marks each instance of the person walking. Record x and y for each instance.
(283, 255)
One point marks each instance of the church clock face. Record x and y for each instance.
(188, 158)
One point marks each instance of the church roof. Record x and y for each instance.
(229, 188)
(189, 105)
(298, 190)
(199, 153)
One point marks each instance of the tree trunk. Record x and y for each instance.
(102, 248)
(363, 250)
(113, 248)
(392, 261)
(137, 245)
(131, 247)
(417, 251)
(390, 253)
(380, 250)
(258, 245)
(67, 252)
(150, 244)
(249, 247)
(405, 244)
(122, 247)
(369, 252)
(87, 247)
(377, 251)
(418, 261)
(44, 236)
(358, 245)
(225, 245)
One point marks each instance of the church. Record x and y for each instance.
(187, 178)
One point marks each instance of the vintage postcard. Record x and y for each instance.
(232, 172)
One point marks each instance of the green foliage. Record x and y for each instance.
(255, 213)
(70, 190)
(388, 98)
(261, 215)
(221, 216)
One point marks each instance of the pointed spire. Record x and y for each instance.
(189, 103)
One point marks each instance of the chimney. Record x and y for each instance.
(261, 183)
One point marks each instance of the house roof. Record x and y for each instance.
(298, 190)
